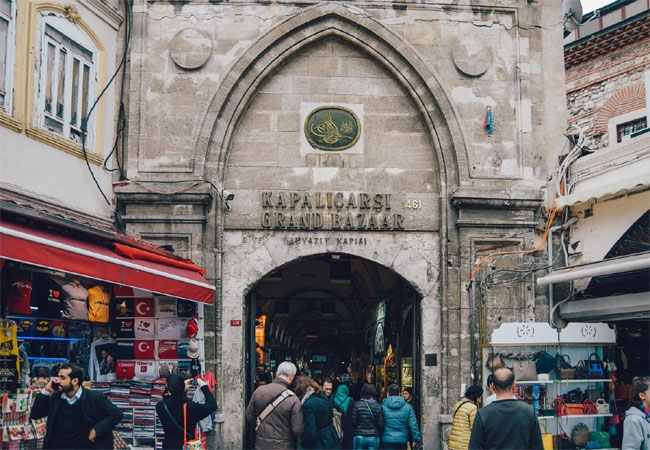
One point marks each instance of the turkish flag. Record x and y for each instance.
(143, 307)
(144, 349)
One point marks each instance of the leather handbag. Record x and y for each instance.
(580, 435)
(575, 409)
(602, 407)
(560, 406)
(563, 367)
(566, 374)
(494, 362)
(544, 362)
(592, 393)
(596, 366)
(589, 407)
(524, 370)
(602, 437)
(581, 370)
(574, 396)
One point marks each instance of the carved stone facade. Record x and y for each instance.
(218, 97)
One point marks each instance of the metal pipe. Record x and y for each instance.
(598, 269)
(549, 247)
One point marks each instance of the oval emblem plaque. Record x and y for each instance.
(332, 128)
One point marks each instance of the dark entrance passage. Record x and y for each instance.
(335, 316)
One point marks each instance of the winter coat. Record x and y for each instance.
(506, 424)
(281, 428)
(365, 422)
(97, 410)
(461, 427)
(319, 430)
(400, 420)
(195, 412)
(636, 430)
(345, 404)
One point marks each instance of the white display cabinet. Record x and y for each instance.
(577, 342)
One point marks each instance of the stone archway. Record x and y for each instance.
(415, 259)
(436, 156)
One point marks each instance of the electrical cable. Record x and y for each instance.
(84, 121)
(519, 252)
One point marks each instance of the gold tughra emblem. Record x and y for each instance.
(332, 128)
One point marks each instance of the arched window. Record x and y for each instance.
(66, 74)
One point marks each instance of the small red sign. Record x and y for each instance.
(235, 323)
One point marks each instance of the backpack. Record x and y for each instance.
(336, 421)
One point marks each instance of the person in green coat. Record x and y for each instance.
(345, 404)
(319, 429)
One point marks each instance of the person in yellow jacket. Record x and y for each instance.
(464, 412)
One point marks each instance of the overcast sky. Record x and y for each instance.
(590, 5)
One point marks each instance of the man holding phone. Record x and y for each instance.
(77, 418)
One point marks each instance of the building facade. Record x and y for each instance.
(606, 198)
(341, 169)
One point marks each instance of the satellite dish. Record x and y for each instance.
(572, 10)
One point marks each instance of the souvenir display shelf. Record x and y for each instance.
(577, 341)
(45, 348)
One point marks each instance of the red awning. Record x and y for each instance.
(53, 251)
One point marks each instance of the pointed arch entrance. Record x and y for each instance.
(337, 316)
(414, 153)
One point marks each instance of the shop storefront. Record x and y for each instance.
(124, 310)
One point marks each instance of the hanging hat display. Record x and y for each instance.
(193, 349)
(192, 329)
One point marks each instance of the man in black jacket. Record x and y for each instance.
(77, 418)
(506, 423)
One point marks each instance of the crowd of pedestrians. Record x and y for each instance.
(297, 412)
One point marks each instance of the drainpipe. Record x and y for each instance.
(549, 244)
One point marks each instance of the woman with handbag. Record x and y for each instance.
(178, 415)
(464, 412)
(636, 426)
(367, 419)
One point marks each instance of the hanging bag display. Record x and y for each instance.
(581, 371)
(593, 393)
(589, 407)
(580, 435)
(544, 363)
(596, 367)
(524, 369)
(602, 407)
(494, 361)
(563, 367)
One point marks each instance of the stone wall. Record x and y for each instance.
(218, 96)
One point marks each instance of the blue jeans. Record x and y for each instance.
(365, 443)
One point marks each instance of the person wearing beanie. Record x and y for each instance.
(463, 414)
(171, 414)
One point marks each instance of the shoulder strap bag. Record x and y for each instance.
(452, 417)
(194, 444)
(271, 406)
(172, 417)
